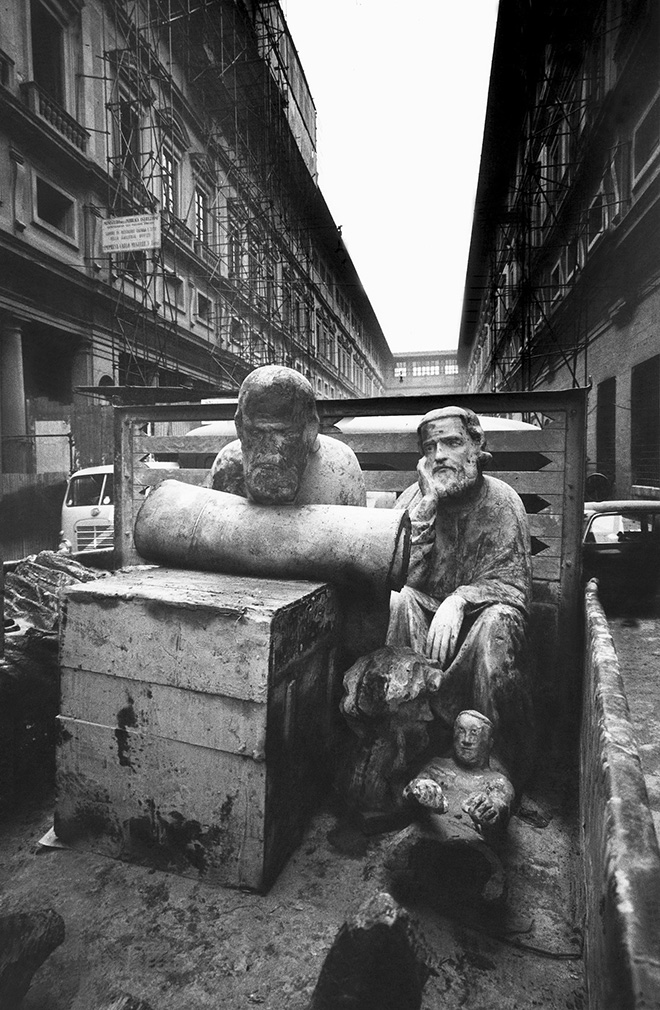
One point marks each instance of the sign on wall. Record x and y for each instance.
(130, 234)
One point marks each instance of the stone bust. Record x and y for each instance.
(283, 457)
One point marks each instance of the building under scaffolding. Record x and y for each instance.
(564, 270)
(161, 223)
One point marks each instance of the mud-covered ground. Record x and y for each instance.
(185, 945)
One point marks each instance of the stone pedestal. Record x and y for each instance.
(197, 711)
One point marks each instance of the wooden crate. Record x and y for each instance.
(196, 711)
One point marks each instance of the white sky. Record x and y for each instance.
(400, 93)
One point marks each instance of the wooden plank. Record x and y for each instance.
(125, 551)
(544, 402)
(149, 478)
(545, 547)
(545, 504)
(544, 525)
(548, 569)
(152, 709)
(544, 440)
(144, 444)
(536, 483)
(389, 480)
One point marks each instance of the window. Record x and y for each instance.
(400, 370)
(47, 40)
(451, 367)
(286, 301)
(234, 241)
(55, 209)
(204, 308)
(6, 70)
(236, 331)
(646, 139)
(169, 175)
(132, 264)
(270, 286)
(127, 138)
(427, 367)
(571, 258)
(645, 422)
(555, 282)
(201, 216)
(173, 291)
(606, 428)
(595, 218)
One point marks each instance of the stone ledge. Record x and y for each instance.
(621, 860)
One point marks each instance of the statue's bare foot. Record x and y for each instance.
(427, 792)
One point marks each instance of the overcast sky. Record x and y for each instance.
(400, 94)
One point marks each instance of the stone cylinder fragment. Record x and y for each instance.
(195, 527)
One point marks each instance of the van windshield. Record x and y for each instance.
(89, 489)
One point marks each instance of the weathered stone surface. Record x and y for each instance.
(620, 849)
(126, 1002)
(468, 589)
(375, 962)
(197, 717)
(195, 527)
(386, 706)
(282, 457)
(443, 871)
(26, 940)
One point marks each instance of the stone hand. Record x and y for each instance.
(444, 630)
(483, 808)
(428, 793)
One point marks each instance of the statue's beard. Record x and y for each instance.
(453, 482)
(272, 484)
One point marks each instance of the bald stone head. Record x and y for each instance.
(278, 425)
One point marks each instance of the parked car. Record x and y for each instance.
(621, 548)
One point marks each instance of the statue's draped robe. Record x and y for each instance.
(477, 547)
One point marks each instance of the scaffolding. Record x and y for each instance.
(566, 192)
(244, 232)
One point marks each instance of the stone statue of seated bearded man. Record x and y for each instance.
(462, 613)
(466, 598)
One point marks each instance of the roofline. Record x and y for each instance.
(505, 110)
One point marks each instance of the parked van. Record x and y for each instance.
(88, 513)
(88, 509)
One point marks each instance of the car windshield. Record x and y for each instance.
(617, 527)
(89, 489)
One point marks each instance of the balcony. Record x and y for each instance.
(45, 108)
(175, 229)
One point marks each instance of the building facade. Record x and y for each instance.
(417, 372)
(160, 221)
(563, 285)
(161, 226)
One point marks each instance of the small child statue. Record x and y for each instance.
(465, 784)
